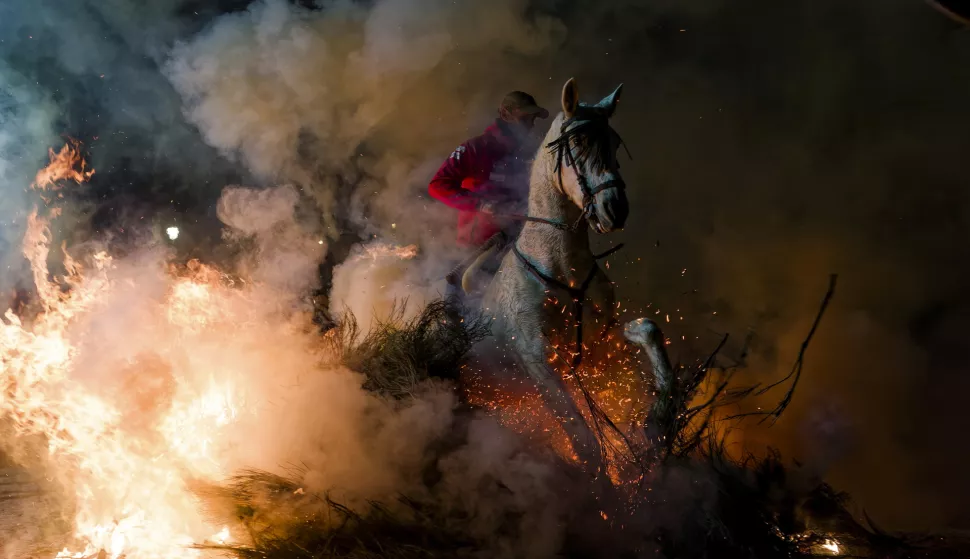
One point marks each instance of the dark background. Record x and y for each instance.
(773, 143)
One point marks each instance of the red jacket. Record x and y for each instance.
(470, 177)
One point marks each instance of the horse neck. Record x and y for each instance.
(562, 254)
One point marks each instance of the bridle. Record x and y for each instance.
(564, 153)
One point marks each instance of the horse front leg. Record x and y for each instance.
(647, 336)
(556, 396)
(658, 429)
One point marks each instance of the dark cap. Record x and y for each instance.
(521, 103)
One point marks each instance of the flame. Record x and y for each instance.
(222, 538)
(66, 164)
(831, 545)
(126, 451)
(381, 250)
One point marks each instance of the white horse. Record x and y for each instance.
(575, 185)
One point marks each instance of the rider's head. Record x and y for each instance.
(520, 108)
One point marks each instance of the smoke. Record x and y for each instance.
(285, 254)
(90, 70)
(351, 94)
(378, 281)
(26, 119)
(171, 374)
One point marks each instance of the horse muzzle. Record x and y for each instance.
(610, 209)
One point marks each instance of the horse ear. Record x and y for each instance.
(570, 98)
(609, 102)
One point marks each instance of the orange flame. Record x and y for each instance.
(381, 250)
(126, 455)
(66, 164)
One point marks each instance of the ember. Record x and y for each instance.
(380, 250)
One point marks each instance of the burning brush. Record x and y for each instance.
(119, 446)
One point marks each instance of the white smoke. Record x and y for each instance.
(285, 255)
(379, 281)
(295, 94)
(26, 128)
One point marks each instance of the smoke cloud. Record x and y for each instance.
(26, 124)
(285, 255)
(351, 95)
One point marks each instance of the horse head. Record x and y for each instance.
(586, 151)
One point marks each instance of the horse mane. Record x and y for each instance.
(591, 136)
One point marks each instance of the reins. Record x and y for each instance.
(578, 294)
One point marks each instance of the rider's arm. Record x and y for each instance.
(446, 186)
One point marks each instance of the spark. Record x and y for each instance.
(172, 232)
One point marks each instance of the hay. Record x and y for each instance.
(397, 356)
(284, 522)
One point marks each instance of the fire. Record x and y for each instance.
(222, 538)
(381, 250)
(124, 435)
(831, 545)
(66, 164)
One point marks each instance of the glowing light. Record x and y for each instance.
(222, 538)
(172, 232)
(831, 545)
(383, 250)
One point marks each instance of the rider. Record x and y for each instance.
(487, 175)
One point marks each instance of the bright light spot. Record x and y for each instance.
(222, 537)
(320, 242)
(831, 545)
(172, 232)
(394, 226)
